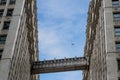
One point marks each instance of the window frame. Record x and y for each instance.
(3, 2)
(6, 25)
(12, 1)
(117, 45)
(3, 39)
(1, 12)
(116, 16)
(118, 63)
(115, 3)
(9, 12)
(117, 31)
(1, 51)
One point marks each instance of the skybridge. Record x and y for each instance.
(60, 65)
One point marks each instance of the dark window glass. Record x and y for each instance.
(6, 25)
(3, 2)
(1, 12)
(118, 61)
(3, 39)
(116, 16)
(117, 31)
(1, 51)
(115, 3)
(9, 12)
(12, 1)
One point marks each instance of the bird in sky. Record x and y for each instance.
(73, 44)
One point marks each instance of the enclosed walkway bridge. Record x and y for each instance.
(60, 65)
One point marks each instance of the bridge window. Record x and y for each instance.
(115, 3)
(116, 16)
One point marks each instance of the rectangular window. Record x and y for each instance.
(117, 31)
(115, 3)
(3, 2)
(12, 1)
(1, 51)
(118, 47)
(6, 25)
(9, 12)
(3, 39)
(116, 16)
(118, 61)
(1, 12)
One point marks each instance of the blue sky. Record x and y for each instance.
(61, 26)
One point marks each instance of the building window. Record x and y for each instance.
(115, 3)
(116, 16)
(118, 61)
(3, 39)
(1, 51)
(3, 2)
(1, 12)
(118, 47)
(12, 1)
(9, 12)
(6, 25)
(117, 31)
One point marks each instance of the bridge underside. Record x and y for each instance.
(59, 65)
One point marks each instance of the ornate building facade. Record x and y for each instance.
(103, 40)
(18, 39)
